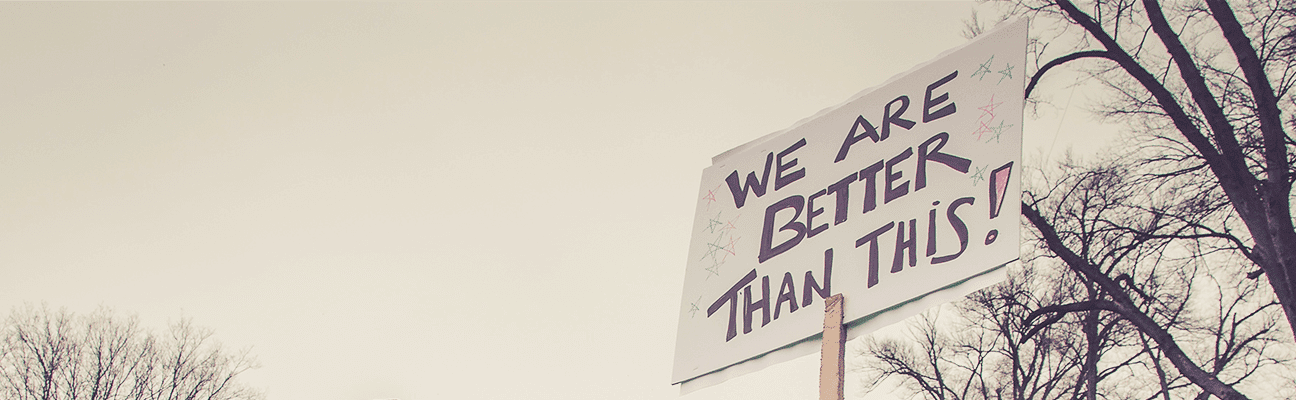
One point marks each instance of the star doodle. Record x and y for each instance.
(984, 69)
(714, 269)
(998, 131)
(1005, 73)
(729, 225)
(729, 247)
(982, 130)
(693, 307)
(713, 248)
(711, 196)
(979, 175)
(989, 108)
(712, 223)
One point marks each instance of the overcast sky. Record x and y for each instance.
(415, 200)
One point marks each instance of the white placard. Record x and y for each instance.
(907, 188)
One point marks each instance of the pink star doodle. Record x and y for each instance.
(981, 131)
(990, 107)
(729, 247)
(729, 225)
(986, 110)
(711, 196)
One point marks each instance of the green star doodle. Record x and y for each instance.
(713, 248)
(979, 175)
(998, 131)
(1005, 73)
(713, 223)
(983, 69)
(714, 269)
(693, 307)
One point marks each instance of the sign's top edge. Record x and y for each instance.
(1007, 24)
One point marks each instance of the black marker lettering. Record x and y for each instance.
(889, 119)
(767, 251)
(869, 132)
(731, 297)
(842, 191)
(902, 244)
(762, 304)
(960, 228)
(811, 212)
(781, 180)
(787, 293)
(871, 240)
(869, 176)
(893, 192)
(755, 186)
(929, 102)
(810, 282)
(959, 164)
(931, 230)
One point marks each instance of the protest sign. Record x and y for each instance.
(903, 191)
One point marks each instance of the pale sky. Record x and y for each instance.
(415, 200)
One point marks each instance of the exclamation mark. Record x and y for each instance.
(998, 188)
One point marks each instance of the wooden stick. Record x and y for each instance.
(832, 364)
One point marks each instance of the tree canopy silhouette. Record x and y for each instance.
(54, 354)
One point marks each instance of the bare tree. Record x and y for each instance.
(47, 354)
(1112, 304)
(1205, 84)
(1144, 253)
(985, 350)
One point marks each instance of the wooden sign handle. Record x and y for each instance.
(832, 364)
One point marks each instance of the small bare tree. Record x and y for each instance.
(47, 355)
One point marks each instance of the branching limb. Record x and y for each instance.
(1059, 61)
(1124, 306)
